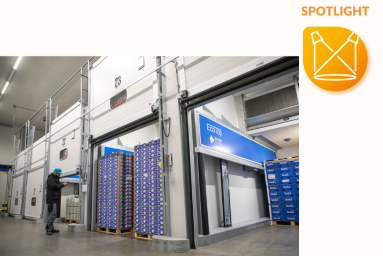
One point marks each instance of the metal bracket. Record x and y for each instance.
(162, 74)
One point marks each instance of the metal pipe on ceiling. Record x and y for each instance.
(82, 115)
(88, 61)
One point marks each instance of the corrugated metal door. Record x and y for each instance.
(66, 141)
(16, 195)
(34, 193)
(202, 73)
(138, 96)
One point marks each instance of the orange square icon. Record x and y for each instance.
(334, 58)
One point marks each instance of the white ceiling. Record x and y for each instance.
(35, 80)
(277, 136)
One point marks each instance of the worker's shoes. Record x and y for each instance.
(49, 233)
(55, 230)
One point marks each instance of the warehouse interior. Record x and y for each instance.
(266, 112)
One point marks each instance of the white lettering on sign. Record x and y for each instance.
(215, 130)
(218, 140)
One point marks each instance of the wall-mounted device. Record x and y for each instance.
(183, 95)
(170, 164)
(170, 159)
(154, 106)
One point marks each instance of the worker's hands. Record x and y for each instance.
(66, 184)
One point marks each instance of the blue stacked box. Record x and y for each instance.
(283, 186)
(115, 191)
(149, 215)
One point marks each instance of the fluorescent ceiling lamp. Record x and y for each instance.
(17, 62)
(5, 87)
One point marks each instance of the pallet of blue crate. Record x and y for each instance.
(282, 176)
(148, 194)
(115, 194)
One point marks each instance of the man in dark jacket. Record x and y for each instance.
(54, 187)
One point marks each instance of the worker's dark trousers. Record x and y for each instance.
(52, 213)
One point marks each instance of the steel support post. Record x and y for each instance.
(80, 165)
(7, 192)
(23, 189)
(45, 175)
(163, 117)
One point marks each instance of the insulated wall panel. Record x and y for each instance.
(16, 195)
(138, 96)
(68, 138)
(34, 193)
(38, 152)
(202, 73)
(20, 162)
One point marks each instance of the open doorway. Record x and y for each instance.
(233, 135)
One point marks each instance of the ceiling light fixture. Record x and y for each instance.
(10, 77)
(5, 87)
(17, 62)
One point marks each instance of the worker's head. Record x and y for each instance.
(57, 172)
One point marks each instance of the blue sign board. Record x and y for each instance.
(108, 151)
(223, 139)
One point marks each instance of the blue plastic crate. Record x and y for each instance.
(276, 164)
(269, 164)
(296, 162)
(275, 192)
(287, 192)
(291, 205)
(271, 170)
(277, 216)
(274, 182)
(293, 211)
(291, 217)
(278, 211)
(273, 176)
(276, 200)
(288, 181)
(290, 163)
(283, 163)
(290, 199)
(285, 174)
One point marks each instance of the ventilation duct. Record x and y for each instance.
(269, 107)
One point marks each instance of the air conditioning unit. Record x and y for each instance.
(276, 105)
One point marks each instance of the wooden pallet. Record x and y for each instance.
(286, 223)
(114, 231)
(71, 221)
(142, 236)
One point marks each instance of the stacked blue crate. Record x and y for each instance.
(115, 191)
(149, 215)
(283, 185)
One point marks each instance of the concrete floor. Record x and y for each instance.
(21, 237)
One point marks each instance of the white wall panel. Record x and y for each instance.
(224, 107)
(288, 152)
(16, 193)
(143, 135)
(38, 152)
(202, 73)
(20, 162)
(139, 95)
(73, 145)
(34, 189)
